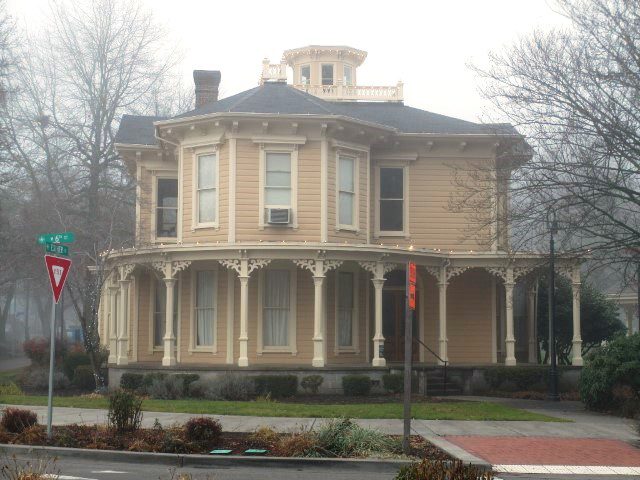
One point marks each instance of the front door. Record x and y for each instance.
(393, 326)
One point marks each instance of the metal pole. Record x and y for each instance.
(52, 360)
(553, 372)
(407, 366)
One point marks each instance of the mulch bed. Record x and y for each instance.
(172, 440)
(343, 400)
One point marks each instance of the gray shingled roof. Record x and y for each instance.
(137, 130)
(280, 98)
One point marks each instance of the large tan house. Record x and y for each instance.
(274, 227)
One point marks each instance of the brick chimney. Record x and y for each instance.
(207, 83)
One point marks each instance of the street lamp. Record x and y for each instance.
(552, 225)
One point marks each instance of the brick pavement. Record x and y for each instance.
(550, 451)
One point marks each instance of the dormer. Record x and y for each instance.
(329, 72)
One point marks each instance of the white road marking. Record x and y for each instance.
(107, 471)
(567, 469)
(67, 477)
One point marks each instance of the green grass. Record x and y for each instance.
(422, 411)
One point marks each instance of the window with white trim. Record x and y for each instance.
(305, 74)
(327, 73)
(391, 214)
(159, 309)
(346, 191)
(277, 185)
(347, 77)
(276, 308)
(206, 189)
(345, 310)
(205, 308)
(166, 207)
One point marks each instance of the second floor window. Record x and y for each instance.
(391, 199)
(305, 74)
(327, 74)
(346, 191)
(277, 186)
(207, 196)
(167, 207)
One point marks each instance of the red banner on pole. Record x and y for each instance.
(412, 285)
(58, 269)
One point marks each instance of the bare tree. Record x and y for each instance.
(575, 93)
(93, 61)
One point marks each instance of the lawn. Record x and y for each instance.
(422, 410)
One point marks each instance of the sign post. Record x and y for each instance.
(57, 271)
(410, 306)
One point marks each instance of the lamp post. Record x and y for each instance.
(552, 224)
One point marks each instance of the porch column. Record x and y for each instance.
(576, 349)
(318, 338)
(169, 358)
(378, 339)
(123, 320)
(510, 341)
(243, 359)
(442, 314)
(531, 319)
(113, 318)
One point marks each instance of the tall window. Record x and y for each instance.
(347, 76)
(205, 308)
(160, 305)
(327, 74)
(345, 309)
(305, 74)
(206, 187)
(346, 191)
(277, 190)
(167, 207)
(391, 199)
(276, 308)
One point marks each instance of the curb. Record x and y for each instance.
(457, 452)
(178, 460)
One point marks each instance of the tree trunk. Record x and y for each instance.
(5, 312)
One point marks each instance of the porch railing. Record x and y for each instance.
(441, 360)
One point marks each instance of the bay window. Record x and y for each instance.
(345, 309)
(205, 305)
(327, 74)
(277, 186)
(276, 306)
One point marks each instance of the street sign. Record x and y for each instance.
(65, 237)
(55, 248)
(58, 269)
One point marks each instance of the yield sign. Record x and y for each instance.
(57, 268)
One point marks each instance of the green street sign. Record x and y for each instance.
(66, 237)
(55, 248)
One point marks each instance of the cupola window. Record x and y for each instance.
(327, 74)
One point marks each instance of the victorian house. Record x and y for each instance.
(273, 228)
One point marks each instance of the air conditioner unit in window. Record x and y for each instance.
(278, 216)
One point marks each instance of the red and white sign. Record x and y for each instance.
(412, 285)
(58, 269)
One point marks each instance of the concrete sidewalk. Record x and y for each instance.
(584, 424)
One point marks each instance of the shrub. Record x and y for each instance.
(15, 468)
(72, 360)
(10, 389)
(356, 385)
(344, 438)
(297, 444)
(518, 378)
(16, 420)
(172, 442)
(442, 470)
(278, 386)
(202, 430)
(83, 378)
(264, 437)
(393, 382)
(226, 387)
(37, 380)
(125, 413)
(613, 366)
(131, 381)
(187, 379)
(311, 383)
(167, 388)
(37, 349)
(149, 378)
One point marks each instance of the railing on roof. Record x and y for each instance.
(355, 92)
(273, 72)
